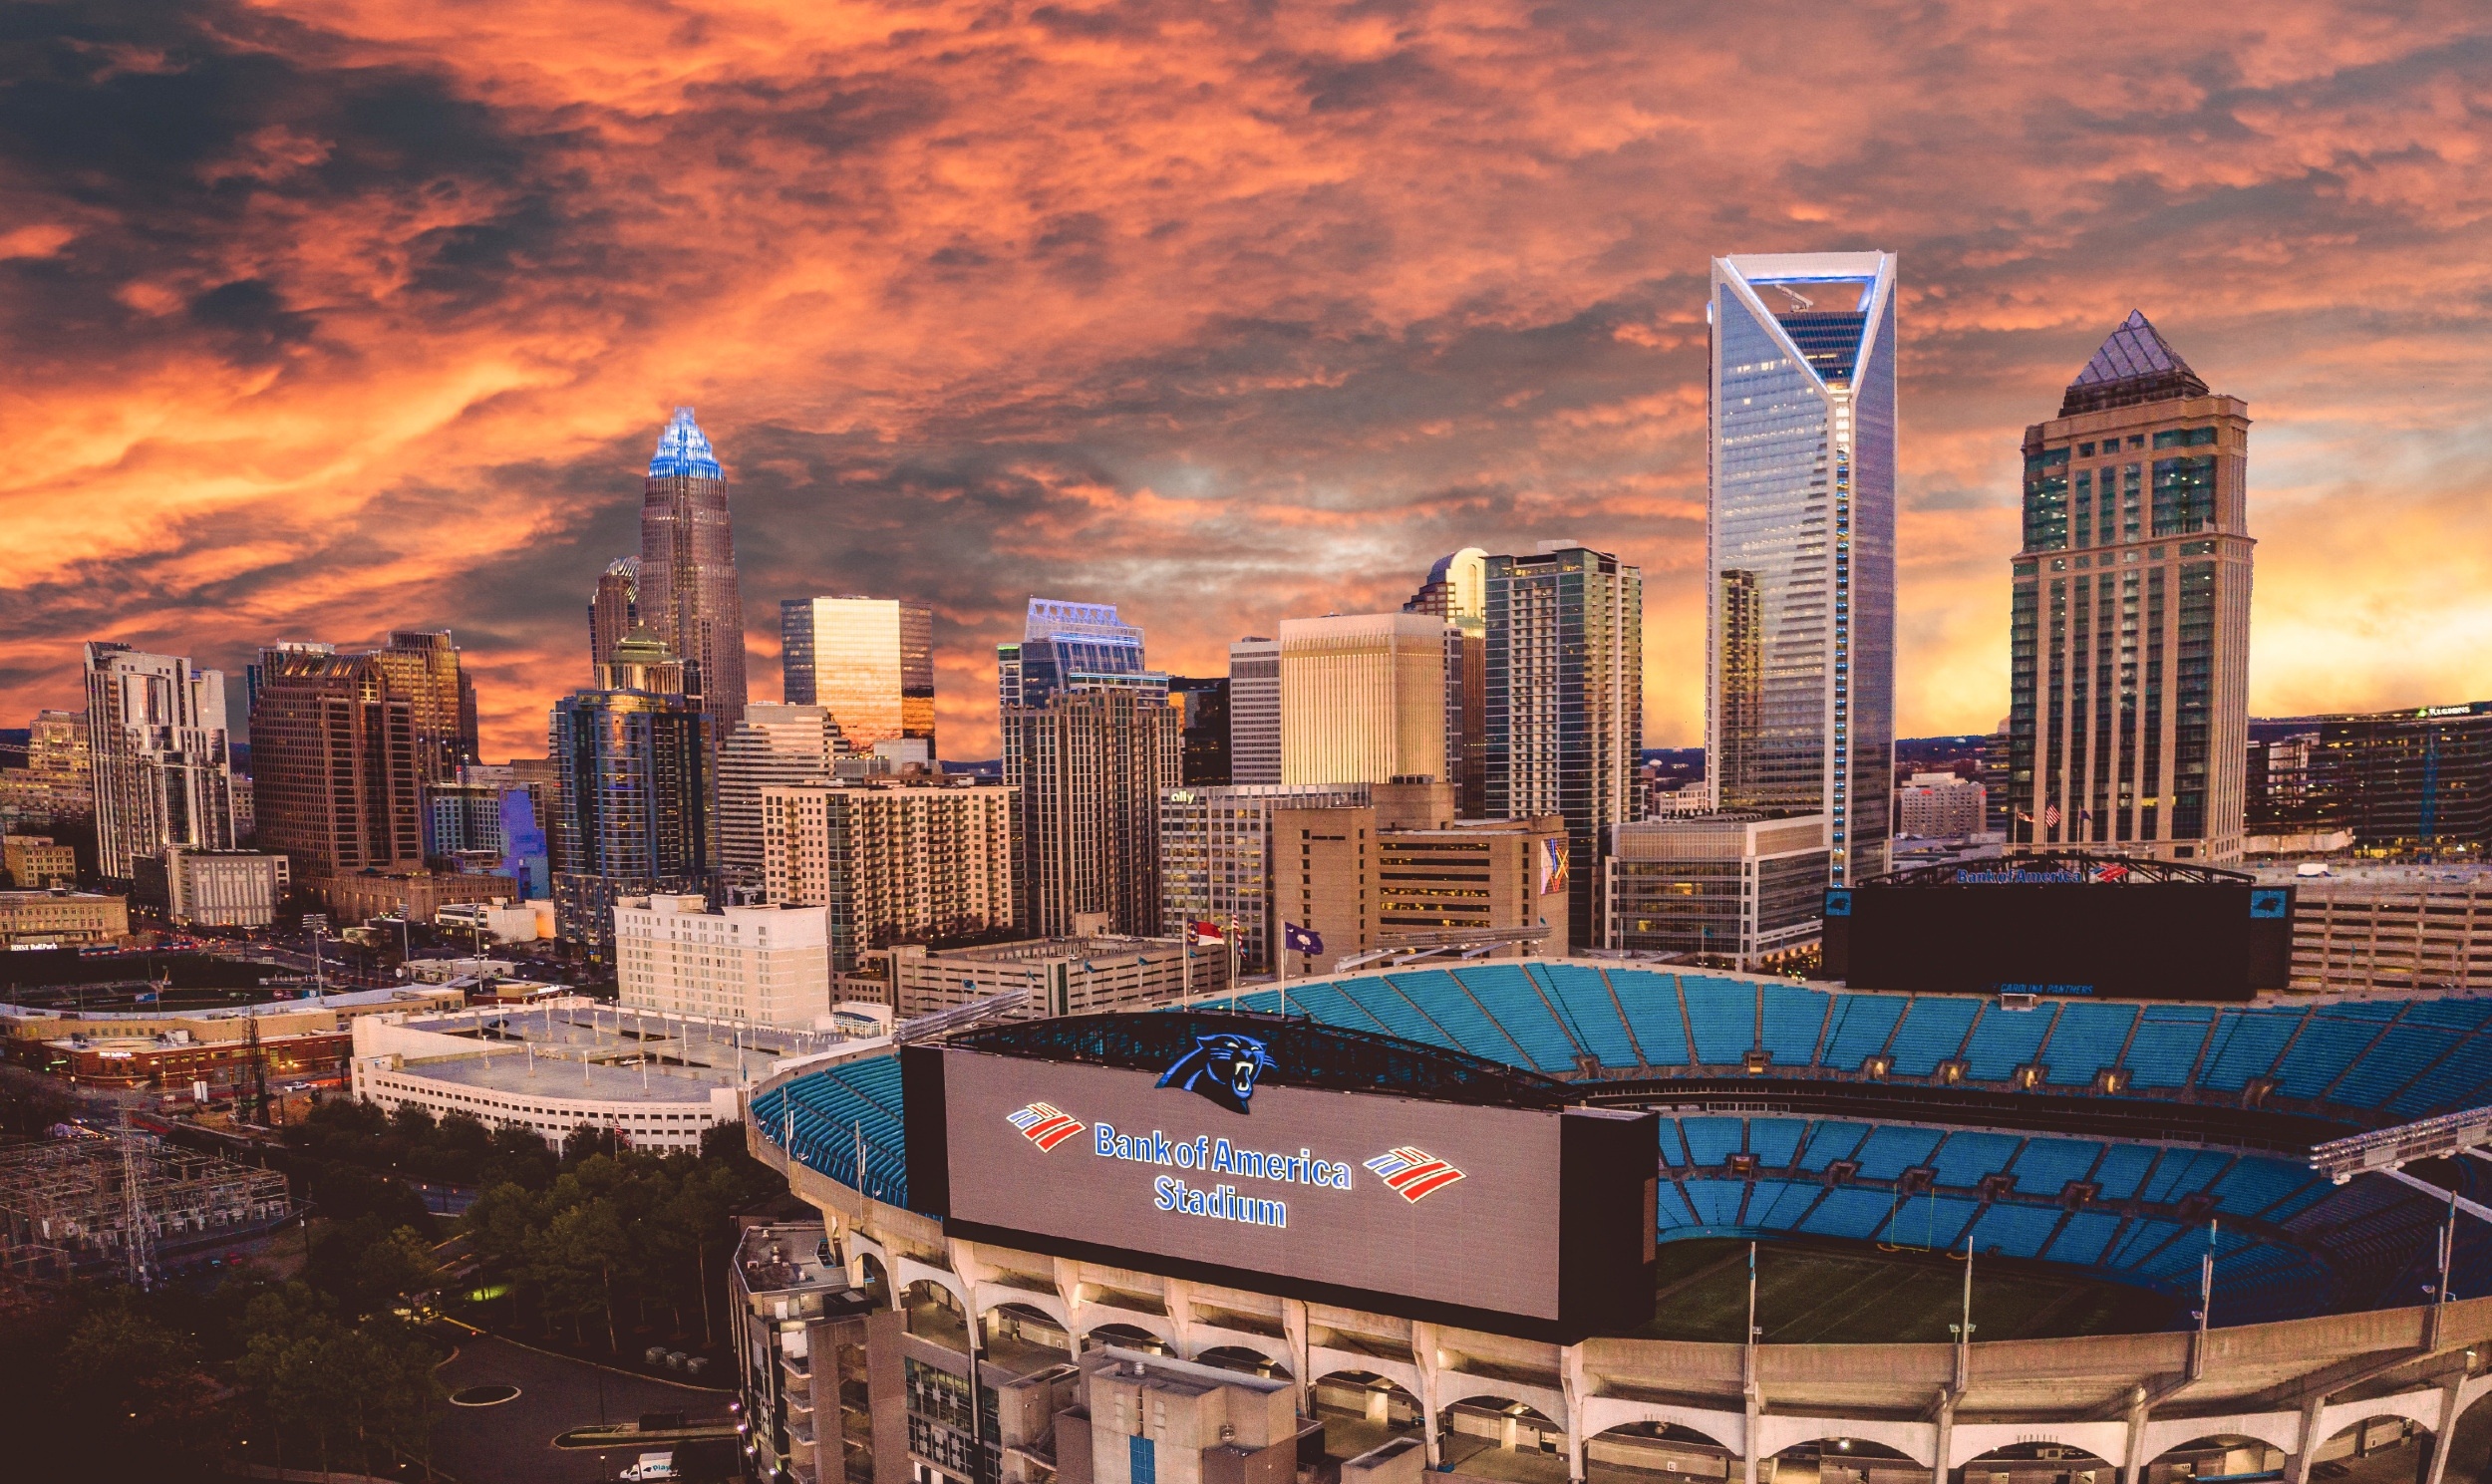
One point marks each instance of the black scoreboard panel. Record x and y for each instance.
(2003, 931)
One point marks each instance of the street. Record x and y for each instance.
(512, 1443)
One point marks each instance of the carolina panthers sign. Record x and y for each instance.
(1221, 1068)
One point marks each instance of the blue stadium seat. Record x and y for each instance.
(1717, 1202)
(1966, 1157)
(2002, 1040)
(1390, 1009)
(2462, 1079)
(2016, 1231)
(1710, 1141)
(1263, 1002)
(1508, 994)
(1933, 1032)
(2450, 1015)
(2401, 1051)
(1435, 994)
(1862, 1026)
(1323, 1001)
(1584, 1000)
(1779, 1205)
(1651, 1001)
(1850, 1212)
(1723, 1013)
(1888, 1151)
(2122, 1167)
(1775, 1141)
(2087, 1039)
(2244, 1045)
(2253, 1185)
(1674, 1144)
(1936, 1223)
(1790, 1023)
(2081, 1240)
(2335, 1035)
(2046, 1166)
(1828, 1142)
(2182, 1173)
(2165, 1049)
(2147, 1236)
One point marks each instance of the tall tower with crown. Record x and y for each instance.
(686, 589)
(2128, 717)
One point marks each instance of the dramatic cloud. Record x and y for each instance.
(327, 319)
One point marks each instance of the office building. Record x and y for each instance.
(217, 888)
(1741, 888)
(2130, 627)
(1399, 870)
(157, 748)
(675, 954)
(1081, 973)
(1362, 699)
(635, 806)
(685, 588)
(1090, 766)
(891, 862)
(870, 662)
(1215, 858)
(335, 763)
(614, 609)
(1996, 752)
(1068, 646)
(1206, 746)
(773, 744)
(58, 781)
(38, 862)
(61, 919)
(1255, 712)
(422, 665)
(1565, 703)
(1457, 591)
(1940, 806)
(2364, 926)
(1800, 545)
(2414, 782)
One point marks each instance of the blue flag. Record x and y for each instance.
(1300, 940)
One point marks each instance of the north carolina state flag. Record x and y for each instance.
(1208, 933)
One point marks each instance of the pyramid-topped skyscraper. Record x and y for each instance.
(685, 588)
(2129, 628)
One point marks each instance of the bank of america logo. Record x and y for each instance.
(1044, 1125)
(1414, 1173)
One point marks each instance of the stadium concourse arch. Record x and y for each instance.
(2118, 1143)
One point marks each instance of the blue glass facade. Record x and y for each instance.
(1800, 530)
(1072, 647)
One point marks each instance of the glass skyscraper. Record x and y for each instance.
(685, 585)
(1072, 647)
(1799, 671)
(870, 662)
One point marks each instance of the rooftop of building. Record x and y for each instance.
(782, 1256)
(578, 1048)
(2133, 366)
(403, 997)
(16, 897)
(684, 450)
(1091, 946)
(2378, 872)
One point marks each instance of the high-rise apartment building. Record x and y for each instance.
(870, 662)
(1362, 699)
(157, 748)
(1091, 766)
(636, 800)
(2129, 640)
(1564, 731)
(422, 665)
(1940, 806)
(336, 770)
(773, 744)
(1255, 712)
(58, 780)
(1457, 591)
(675, 954)
(1215, 857)
(614, 610)
(687, 583)
(892, 863)
(1800, 545)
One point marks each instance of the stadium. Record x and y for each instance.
(2192, 1240)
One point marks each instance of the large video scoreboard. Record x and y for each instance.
(2063, 926)
(1429, 1207)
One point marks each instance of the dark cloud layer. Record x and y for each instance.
(321, 321)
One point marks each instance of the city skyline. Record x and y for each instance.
(1290, 401)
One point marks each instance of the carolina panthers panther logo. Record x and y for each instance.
(1222, 1067)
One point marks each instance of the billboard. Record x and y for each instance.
(2096, 931)
(1431, 1208)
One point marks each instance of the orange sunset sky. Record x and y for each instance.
(322, 319)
